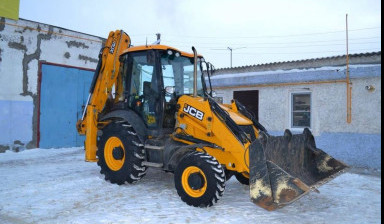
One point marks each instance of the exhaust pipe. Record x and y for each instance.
(194, 72)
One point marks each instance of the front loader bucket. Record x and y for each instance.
(282, 169)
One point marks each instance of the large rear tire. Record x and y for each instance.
(120, 154)
(199, 179)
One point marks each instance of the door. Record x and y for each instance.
(63, 92)
(250, 99)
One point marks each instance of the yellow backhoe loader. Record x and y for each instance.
(152, 106)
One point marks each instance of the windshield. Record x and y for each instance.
(150, 77)
(178, 73)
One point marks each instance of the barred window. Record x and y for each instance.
(301, 110)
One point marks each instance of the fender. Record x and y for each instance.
(178, 153)
(132, 118)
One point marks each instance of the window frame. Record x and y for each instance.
(291, 107)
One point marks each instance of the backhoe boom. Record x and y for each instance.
(104, 78)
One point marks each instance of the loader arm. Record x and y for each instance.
(105, 77)
(278, 169)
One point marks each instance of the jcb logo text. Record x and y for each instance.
(193, 112)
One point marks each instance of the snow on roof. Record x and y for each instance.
(280, 71)
(339, 60)
(296, 75)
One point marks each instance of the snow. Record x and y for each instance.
(280, 71)
(57, 186)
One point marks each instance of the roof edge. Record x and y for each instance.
(339, 60)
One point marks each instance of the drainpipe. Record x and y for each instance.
(348, 81)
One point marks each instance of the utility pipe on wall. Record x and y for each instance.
(348, 81)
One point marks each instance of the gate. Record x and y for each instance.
(63, 92)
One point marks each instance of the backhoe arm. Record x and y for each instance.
(104, 78)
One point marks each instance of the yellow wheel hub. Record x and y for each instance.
(194, 181)
(114, 153)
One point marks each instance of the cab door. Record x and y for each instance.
(145, 86)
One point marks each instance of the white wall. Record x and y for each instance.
(328, 106)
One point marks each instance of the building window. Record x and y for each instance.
(301, 110)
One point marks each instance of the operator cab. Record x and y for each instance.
(153, 78)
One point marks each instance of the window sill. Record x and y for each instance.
(299, 130)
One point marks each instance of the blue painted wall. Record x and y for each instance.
(15, 121)
(354, 149)
(63, 93)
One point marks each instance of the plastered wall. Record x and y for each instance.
(23, 44)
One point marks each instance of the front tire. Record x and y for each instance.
(199, 179)
(120, 154)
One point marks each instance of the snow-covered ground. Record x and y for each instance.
(57, 186)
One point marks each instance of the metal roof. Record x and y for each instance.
(339, 60)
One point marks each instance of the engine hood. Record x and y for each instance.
(238, 118)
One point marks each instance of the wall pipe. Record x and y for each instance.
(348, 81)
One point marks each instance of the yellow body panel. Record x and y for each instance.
(91, 135)
(234, 155)
(236, 117)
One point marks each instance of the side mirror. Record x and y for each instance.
(169, 90)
